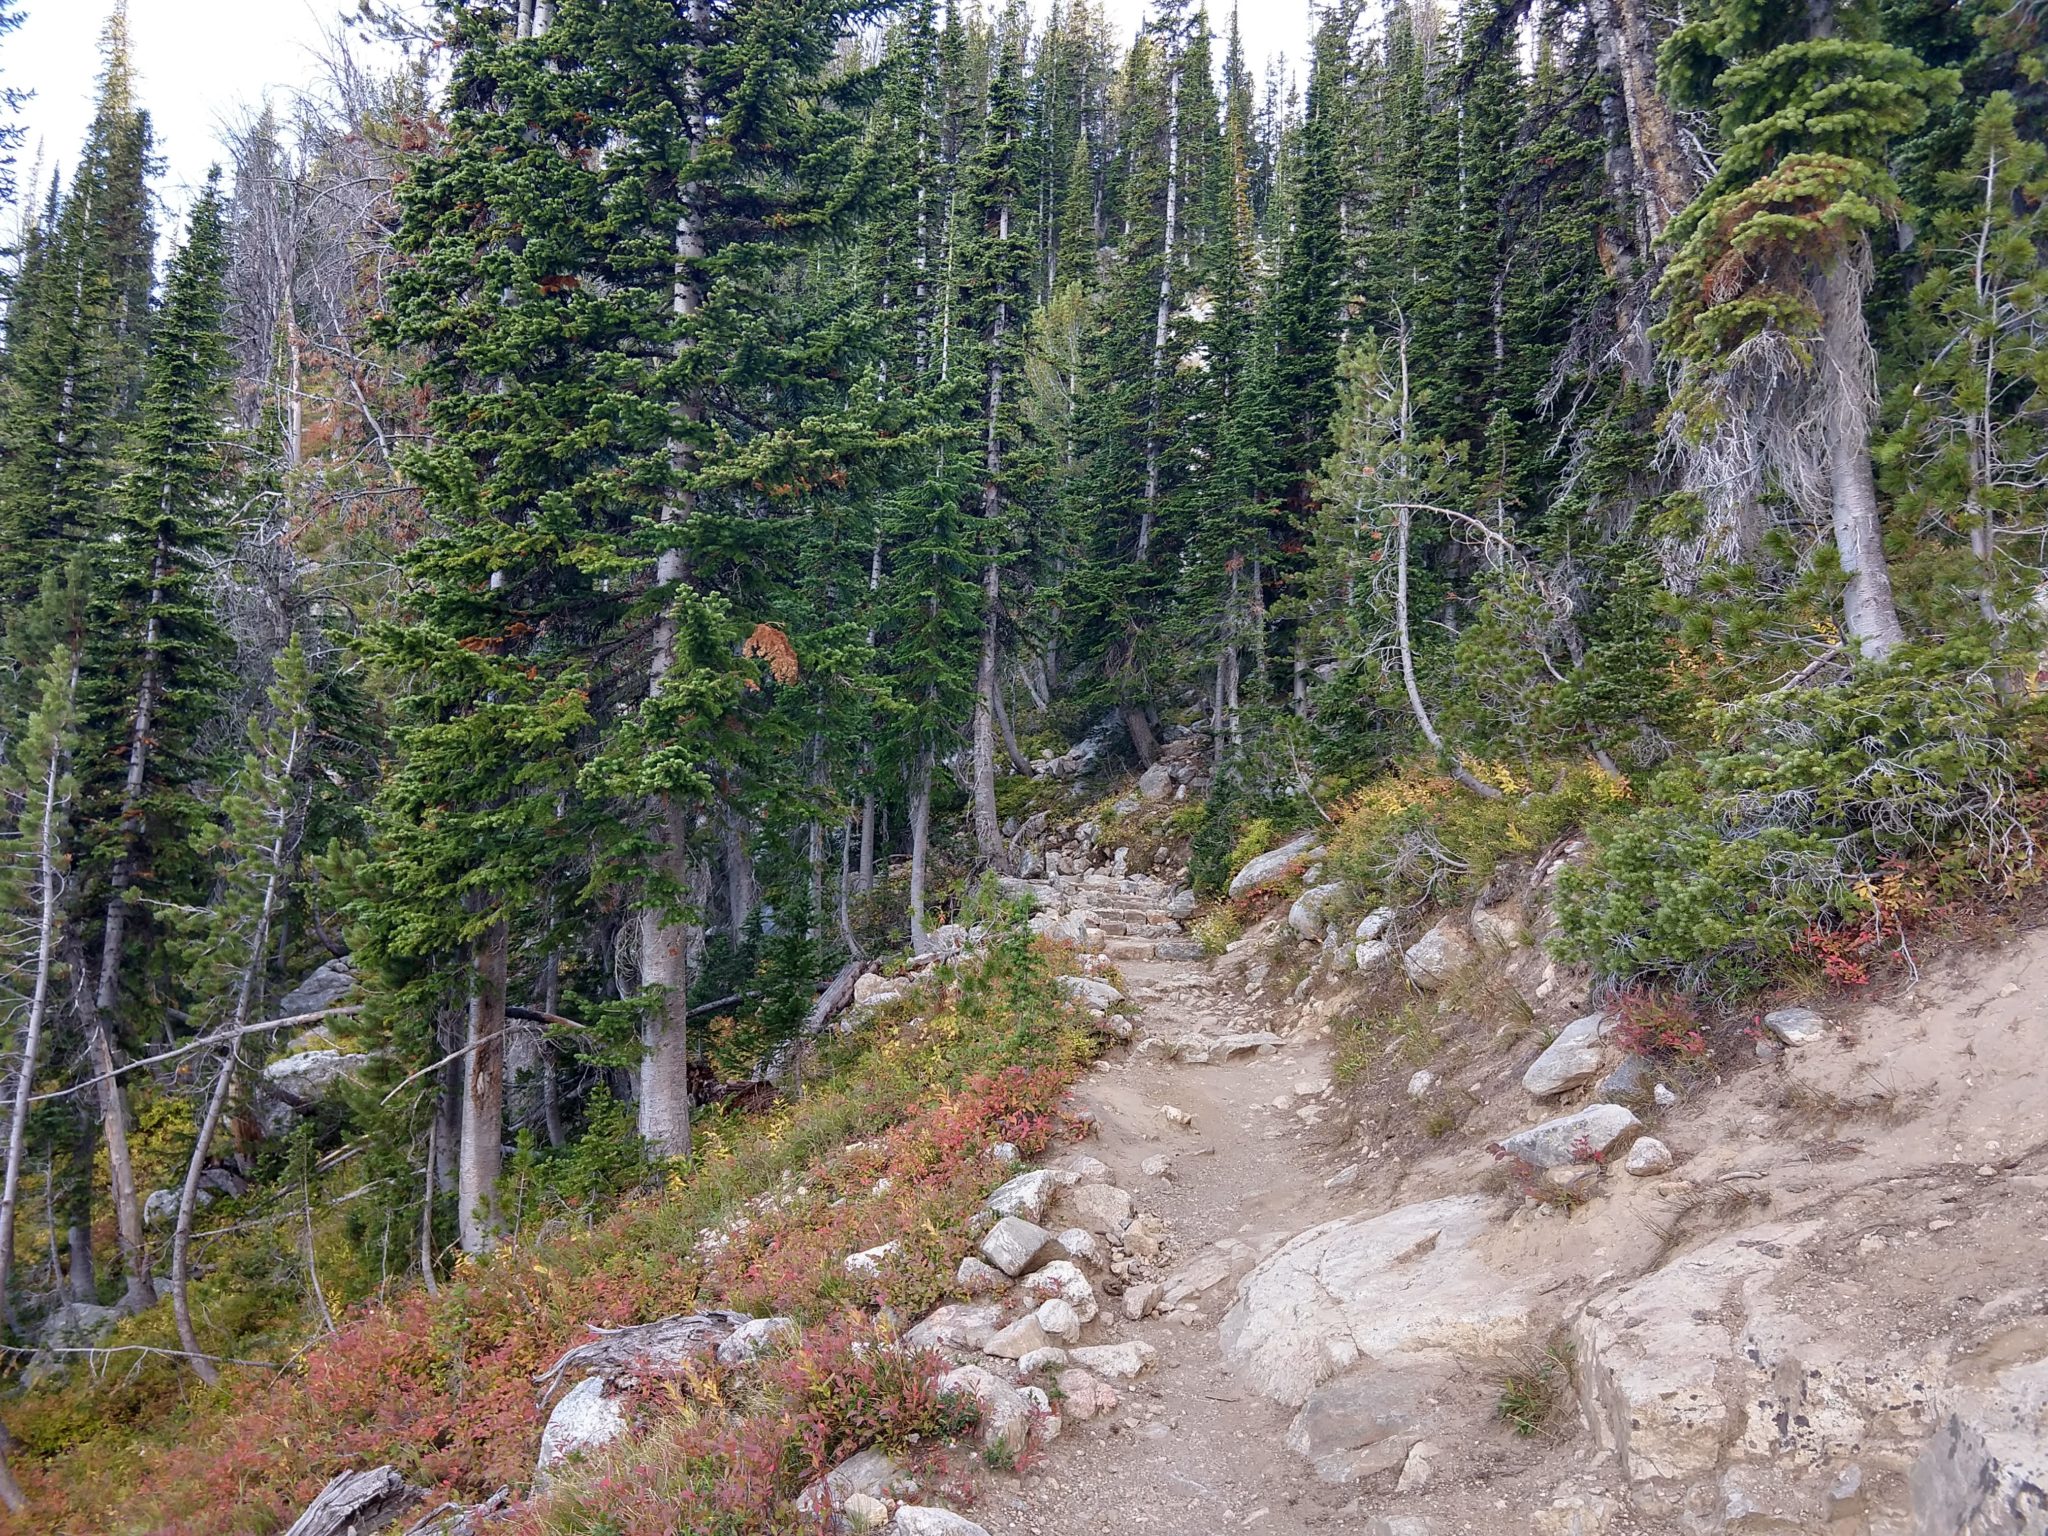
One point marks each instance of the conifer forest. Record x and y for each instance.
(606, 523)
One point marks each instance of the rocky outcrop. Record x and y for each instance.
(1985, 1471)
(1406, 1284)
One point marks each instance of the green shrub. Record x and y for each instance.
(1784, 827)
(1215, 929)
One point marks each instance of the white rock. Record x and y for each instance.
(1795, 1026)
(1083, 1247)
(1100, 1207)
(754, 1338)
(1648, 1157)
(1574, 1058)
(1018, 1339)
(1005, 1152)
(1306, 916)
(1062, 1281)
(1013, 1245)
(1088, 990)
(1420, 1083)
(871, 983)
(867, 1473)
(1438, 955)
(1410, 1281)
(1268, 867)
(1090, 1169)
(1655, 1359)
(1663, 1097)
(1173, 1115)
(1156, 782)
(924, 1520)
(1376, 924)
(1027, 1195)
(1119, 1362)
(1372, 956)
(956, 1326)
(864, 1512)
(1059, 1320)
(1140, 1299)
(1160, 1167)
(1420, 1466)
(1576, 1138)
(868, 1263)
(586, 1419)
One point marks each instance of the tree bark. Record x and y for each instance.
(1870, 615)
(988, 838)
(920, 844)
(1011, 750)
(668, 953)
(1664, 177)
(1148, 519)
(481, 1152)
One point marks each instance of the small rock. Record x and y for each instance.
(586, 1418)
(1176, 1116)
(1376, 924)
(754, 1338)
(1019, 1339)
(1268, 867)
(1059, 1320)
(1014, 1245)
(1119, 1362)
(1051, 1358)
(868, 1472)
(1084, 1396)
(1663, 1097)
(1416, 1470)
(864, 1512)
(1438, 955)
(1795, 1026)
(956, 1327)
(1005, 1416)
(1061, 1281)
(1573, 1058)
(1086, 989)
(1648, 1157)
(1005, 1152)
(1372, 956)
(1182, 907)
(1343, 1178)
(868, 985)
(1140, 1299)
(1100, 1207)
(868, 1263)
(1629, 1080)
(1420, 1084)
(1306, 916)
(1083, 1247)
(1157, 1167)
(1578, 1137)
(1087, 1169)
(1027, 1195)
(1145, 1238)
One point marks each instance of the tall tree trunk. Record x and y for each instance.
(742, 886)
(481, 1153)
(1664, 178)
(866, 877)
(1011, 750)
(1869, 613)
(82, 1279)
(48, 886)
(669, 938)
(1148, 519)
(920, 843)
(988, 837)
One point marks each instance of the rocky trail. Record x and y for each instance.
(1772, 1335)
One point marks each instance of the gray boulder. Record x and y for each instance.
(1156, 782)
(1306, 917)
(1005, 1415)
(928, 1520)
(1013, 1245)
(326, 987)
(587, 1418)
(1588, 1135)
(1440, 954)
(1795, 1026)
(1276, 865)
(1574, 1058)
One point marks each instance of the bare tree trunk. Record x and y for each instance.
(1664, 177)
(742, 888)
(1011, 750)
(1869, 613)
(669, 940)
(668, 953)
(49, 882)
(430, 1178)
(1148, 519)
(83, 1282)
(481, 1153)
(988, 838)
(1143, 742)
(920, 844)
(867, 841)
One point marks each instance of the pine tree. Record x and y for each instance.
(1767, 285)
(1973, 446)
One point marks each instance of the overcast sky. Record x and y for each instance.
(200, 61)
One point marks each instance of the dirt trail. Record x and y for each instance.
(1190, 1450)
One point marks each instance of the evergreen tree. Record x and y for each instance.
(1767, 285)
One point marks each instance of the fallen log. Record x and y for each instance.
(356, 1504)
(837, 994)
(670, 1341)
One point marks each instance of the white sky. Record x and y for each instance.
(200, 61)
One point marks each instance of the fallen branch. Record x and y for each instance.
(837, 994)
